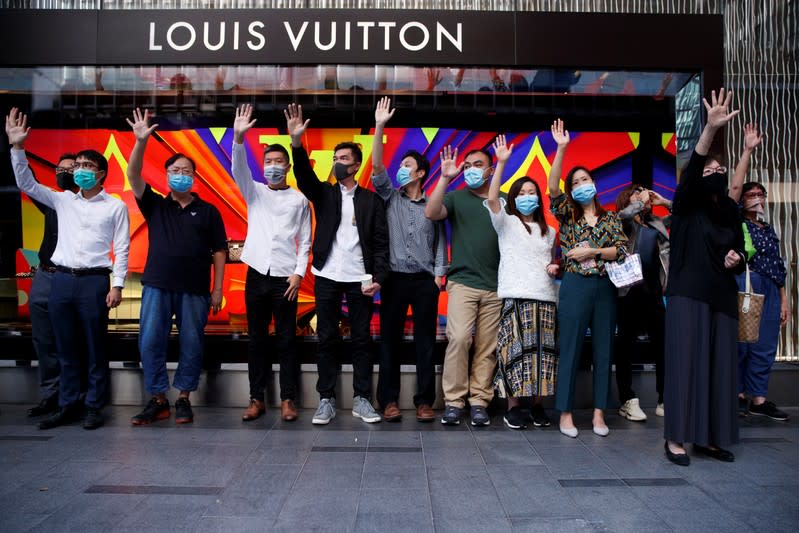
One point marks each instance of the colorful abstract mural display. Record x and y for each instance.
(607, 154)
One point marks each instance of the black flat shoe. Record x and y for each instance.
(716, 453)
(681, 459)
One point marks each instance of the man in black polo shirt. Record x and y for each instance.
(186, 236)
(41, 329)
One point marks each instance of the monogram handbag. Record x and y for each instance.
(750, 309)
(234, 250)
(626, 271)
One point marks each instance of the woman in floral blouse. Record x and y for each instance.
(768, 278)
(589, 237)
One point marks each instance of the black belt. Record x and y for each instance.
(46, 268)
(99, 271)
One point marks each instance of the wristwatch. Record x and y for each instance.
(598, 256)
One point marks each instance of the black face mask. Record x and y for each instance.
(341, 171)
(65, 181)
(715, 183)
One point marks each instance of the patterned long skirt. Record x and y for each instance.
(527, 359)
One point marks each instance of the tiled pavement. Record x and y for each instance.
(220, 474)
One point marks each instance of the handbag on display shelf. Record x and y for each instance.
(625, 272)
(750, 309)
(234, 250)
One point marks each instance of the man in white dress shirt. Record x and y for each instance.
(91, 224)
(276, 250)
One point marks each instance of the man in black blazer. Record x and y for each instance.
(350, 260)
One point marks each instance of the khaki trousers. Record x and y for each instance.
(470, 309)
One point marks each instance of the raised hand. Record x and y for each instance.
(382, 113)
(752, 138)
(139, 124)
(559, 134)
(449, 169)
(243, 122)
(718, 113)
(501, 149)
(433, 76)
(656, 199)
(294, 122)
(17, 128)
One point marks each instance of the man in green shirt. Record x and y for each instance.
(471, 285)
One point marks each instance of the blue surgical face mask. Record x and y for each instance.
(584, 194)
(274, 174)
(404, 176)
(473, 177)
(180, 183)
(84, 178)
(527, 204)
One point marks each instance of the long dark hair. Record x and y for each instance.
(578, 209)
(538, 214)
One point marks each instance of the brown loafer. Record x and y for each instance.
(424, 413)
(288, 411)
(392, 413)
(254, 410)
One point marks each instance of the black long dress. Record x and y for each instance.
(700, 393)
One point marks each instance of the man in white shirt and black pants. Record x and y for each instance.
(90, 224)
(276, 250)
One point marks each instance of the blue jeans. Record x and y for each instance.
(755, 359)
(79, 316)
(42, 333)
(158, 306)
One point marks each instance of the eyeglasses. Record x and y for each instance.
(90, 165)
(181, 171)
(757, 194)
(68, 170)
(712, 170)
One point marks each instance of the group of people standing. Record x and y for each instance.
(510, 331)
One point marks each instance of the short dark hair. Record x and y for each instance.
(749, 185)
(171, 161)
(481, 151)
(357, 155)
(577, 208)
(421, 162)
(718, 157)
(67, 155)
(95, 157)
(277, 148)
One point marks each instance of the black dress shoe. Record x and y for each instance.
(94, 419)
(45, 407)
(65, 415)
(716, 453)
(681, 459)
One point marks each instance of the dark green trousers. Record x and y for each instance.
(585, 301)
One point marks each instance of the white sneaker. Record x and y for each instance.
(659, 411)
(631, 410)
(362, 408)
(325, 412)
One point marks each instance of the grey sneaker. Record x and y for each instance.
(452, 416)
(325, 412)
(480, 416)
(362, 408)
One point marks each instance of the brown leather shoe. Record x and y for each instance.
(424, 413)
(254, 410)
(392, 413)
(288, 411)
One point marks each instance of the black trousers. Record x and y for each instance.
(420, 292)
(329, 297)
(263, 296)
(639, 308)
